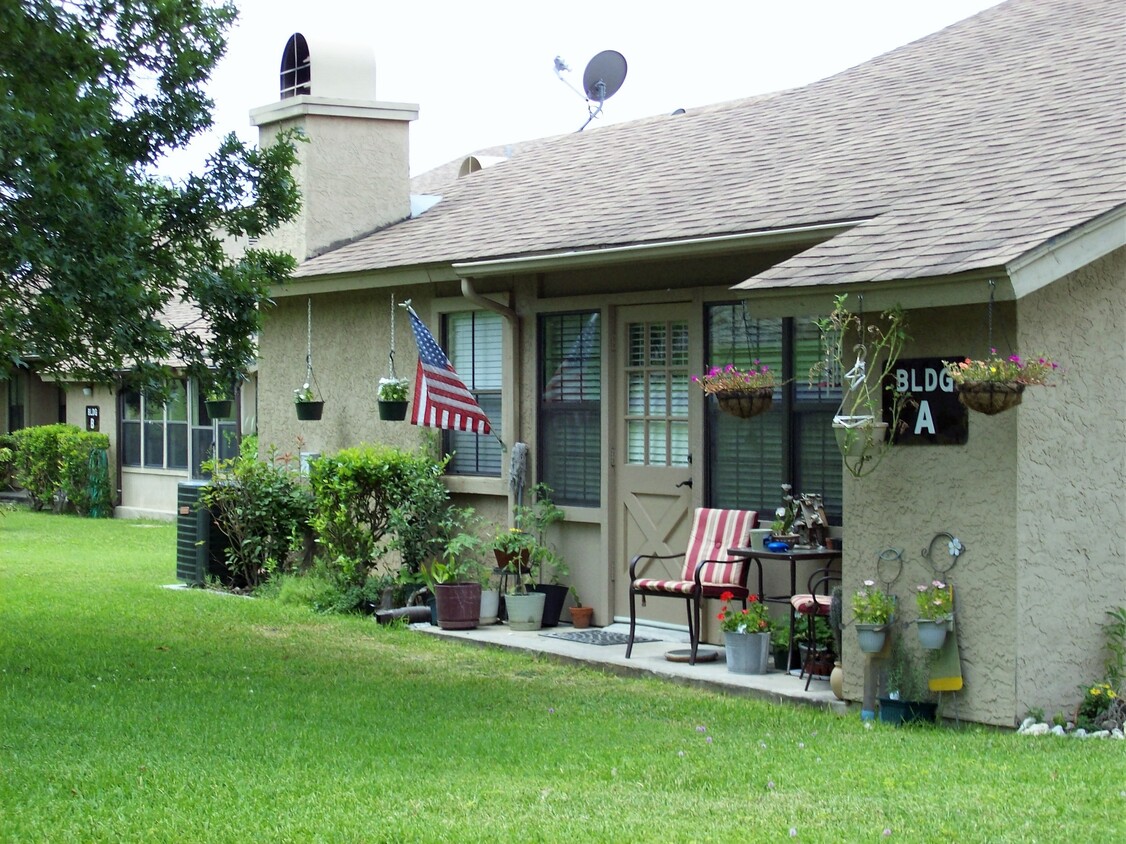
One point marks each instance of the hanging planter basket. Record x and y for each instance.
(856, 441)
(218, 408)
(989, 397)
(309, 411)
(745, 404)
(392, 411)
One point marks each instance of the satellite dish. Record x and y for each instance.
(604, 75)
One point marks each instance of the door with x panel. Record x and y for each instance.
(653, 498)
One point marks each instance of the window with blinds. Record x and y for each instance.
(473, 341)
(749, 460)
(570, 407)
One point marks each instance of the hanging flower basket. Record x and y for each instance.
(309, 410)
(989, 397)
(218, 408)
(745, 404)
(392, 411)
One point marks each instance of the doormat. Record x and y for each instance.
(596, 637)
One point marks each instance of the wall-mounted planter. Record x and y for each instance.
(871, 637)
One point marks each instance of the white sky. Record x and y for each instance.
(482, 74)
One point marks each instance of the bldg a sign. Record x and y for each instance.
(933, 415)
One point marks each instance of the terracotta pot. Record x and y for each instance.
(581, 616)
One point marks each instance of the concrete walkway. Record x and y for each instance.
(648, 659)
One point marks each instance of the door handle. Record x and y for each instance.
(687, 483)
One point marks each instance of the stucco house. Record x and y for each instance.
(976, 177)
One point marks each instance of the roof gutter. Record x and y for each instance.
(660, 251)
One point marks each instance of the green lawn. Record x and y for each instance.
(135, 713)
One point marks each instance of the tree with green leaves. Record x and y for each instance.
(104, 267)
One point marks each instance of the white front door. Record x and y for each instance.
(653, 494)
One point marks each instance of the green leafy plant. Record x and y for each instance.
(52, 462)
(393, 389)
(1098, 699)
(752, 619)
(262, 506)
(996, 369)
(935, 601)
(871, 605)
(731, 379)
(304, 394)
(859, 355)
(530, 534)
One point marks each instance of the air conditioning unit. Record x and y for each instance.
(200, 545)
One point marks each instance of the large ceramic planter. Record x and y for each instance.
(871, 637)
(309, 410)
(745, 404)
(989, 397)
(490, 607)
(555, 596)
(747, 653)
(392, 411)
(932, 634)
(894, 711)
(525, 612)
(459, 605)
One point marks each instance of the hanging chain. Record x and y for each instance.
(309, 341)
(391, 356)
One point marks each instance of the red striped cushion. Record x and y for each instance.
(676, 587)
(713, 532)
(811, 604)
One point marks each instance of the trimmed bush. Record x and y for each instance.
(360, 493)
(54, 459)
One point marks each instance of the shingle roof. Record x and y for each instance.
(962, 150)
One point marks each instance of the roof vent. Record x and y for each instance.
(478, 162)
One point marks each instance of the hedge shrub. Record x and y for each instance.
(360, 493)
(54, 459)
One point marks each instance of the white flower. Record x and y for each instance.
(955, 546)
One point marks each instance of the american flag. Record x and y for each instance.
(441, 399)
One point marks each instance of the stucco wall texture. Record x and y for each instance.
(1035, 495)
(351, 342)
(1071, 505)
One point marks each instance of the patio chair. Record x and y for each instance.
(812, 604)
(708, 569)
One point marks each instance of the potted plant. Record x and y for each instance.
(936, 611)
(746, 635)
(392, 399)
(309, 408)
(849, 341)
(782, 528)
(780, 644)
(490, 597)
(740, 392)
(996, 384)
(580, 616)
(545, 563)
(456, 579)
(218, 402)
(872, 612)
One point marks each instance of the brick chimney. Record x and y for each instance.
(354, 172)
